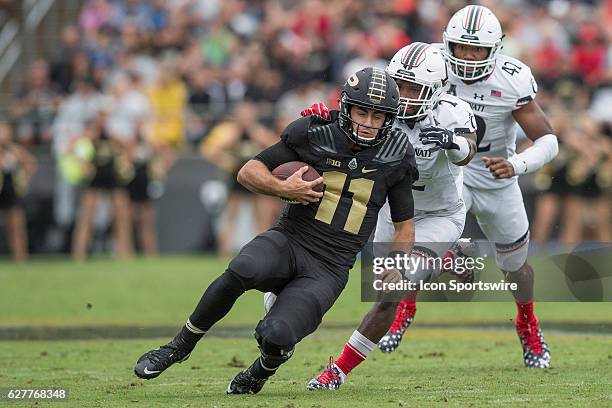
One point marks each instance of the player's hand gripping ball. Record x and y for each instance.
(307, 189)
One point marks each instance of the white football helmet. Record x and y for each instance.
(424, 65)
(475, 26)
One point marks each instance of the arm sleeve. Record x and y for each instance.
(544, 149)
(401, 202)
(276, 155)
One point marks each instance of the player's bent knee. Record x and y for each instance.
(276, 339)
(243, 269)
(512, 257)
(275, 332)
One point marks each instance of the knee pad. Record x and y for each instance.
(276, 340)
(511, 257)
(246, 270)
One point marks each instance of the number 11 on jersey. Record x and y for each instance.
(334, 186)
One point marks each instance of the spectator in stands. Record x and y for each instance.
(284, 55)
(17, 166)
(94, 15)
(64, 64)
(168, 100)
(35, 106)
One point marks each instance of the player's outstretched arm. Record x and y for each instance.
(256, 176)
(536, 126)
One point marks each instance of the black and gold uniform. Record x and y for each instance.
(148, 168)
(112, 167)
(306, 257)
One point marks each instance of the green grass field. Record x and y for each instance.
(455, 354)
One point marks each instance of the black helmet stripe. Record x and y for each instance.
(412, 57)
(472, 23)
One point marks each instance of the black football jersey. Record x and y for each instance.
(357, 184)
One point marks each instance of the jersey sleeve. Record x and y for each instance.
(526, 87)
(294, 139)
(295, 134)
(456, 115)
(276, 155)
(401, 201)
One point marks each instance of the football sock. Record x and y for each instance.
(355, 351)
(217, 301)
(190, 334)
(525, 312)
(261, 369)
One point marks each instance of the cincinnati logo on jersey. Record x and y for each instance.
(425, 153)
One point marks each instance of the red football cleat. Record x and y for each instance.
(330, 379)
(404, 316)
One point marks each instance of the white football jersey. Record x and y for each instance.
(440, 181)
(493, 99)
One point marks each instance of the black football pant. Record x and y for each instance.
(306, 289)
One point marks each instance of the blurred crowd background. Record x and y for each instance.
(124, 122)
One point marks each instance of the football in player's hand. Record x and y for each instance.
(286, 170)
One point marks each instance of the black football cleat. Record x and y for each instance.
(152, 363)
(245, 383)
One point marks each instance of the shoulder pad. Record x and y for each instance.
(321, 136)
(295, 133)
(394, 148)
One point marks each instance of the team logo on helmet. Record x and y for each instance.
(352, 80)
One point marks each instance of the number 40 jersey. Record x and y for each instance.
(493, 99)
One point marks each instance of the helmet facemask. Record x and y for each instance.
(429, 95)
(467, 69)
(347, 123)
(473, 26)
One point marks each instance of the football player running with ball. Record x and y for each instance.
(442, 130)
(501, 91)
(305, 259)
